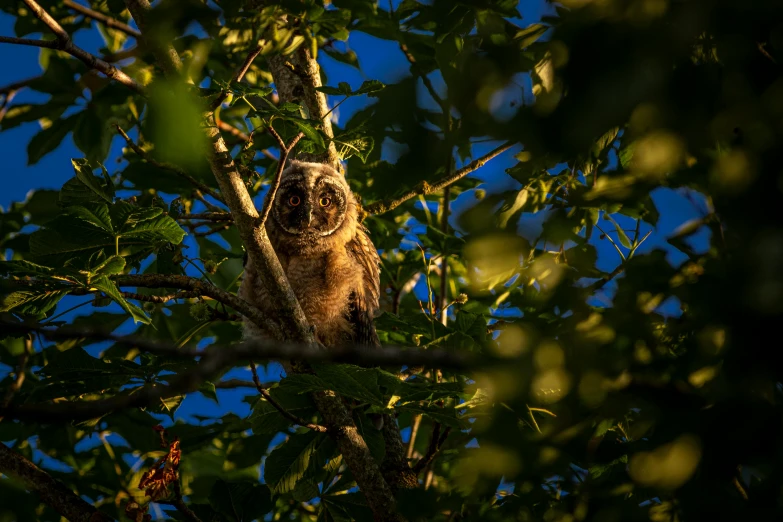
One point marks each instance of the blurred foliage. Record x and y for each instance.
(604, 408)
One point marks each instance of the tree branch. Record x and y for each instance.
(160, 299)
(301, 86)
(52, 492)
(213, 361)
(100, 17)
(435, 444)
(201, 288)
(207, 216)
(65, 44)
(168, 166)
(294, 324)
(165, 54)
(285, 413)
(424, 188)
(49, 44)
(285, 150)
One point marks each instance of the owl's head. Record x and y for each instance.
(314, 209)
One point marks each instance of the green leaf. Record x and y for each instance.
(109, 287)
(369, 87)
(348, 57)
(353, 145)
(372, 436)
(113, 265)
(350, 507)
(530, 34)
(84, 174)
(351, 381)
(91, 136)
(310, 132)
(240, 501)
(289, 462)
(445, 416)
(48, 139)
(267, 419)
(98, 216)
(209, 391)
(621, 235)
(36, 301)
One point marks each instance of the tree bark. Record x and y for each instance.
(52, 492)
(296, 77)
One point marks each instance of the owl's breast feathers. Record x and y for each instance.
(338, 291)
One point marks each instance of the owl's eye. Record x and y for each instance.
(294, 201)
(325, 202)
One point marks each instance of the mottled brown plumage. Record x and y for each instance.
(329, 259)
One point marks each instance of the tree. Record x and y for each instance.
(528, 375)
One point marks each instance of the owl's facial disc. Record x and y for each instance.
(310, 207)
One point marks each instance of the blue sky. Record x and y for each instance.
(380, 60)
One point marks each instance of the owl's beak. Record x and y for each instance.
(309, 216)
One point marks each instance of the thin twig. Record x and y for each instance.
(20, 374)
(49, 44)
(238, 75)
(435, 444)
(232, 384)
(207, 216)
(160, 299)
(180, 504)
(9, 97)
(414, 432)
(234, 131)
(214, 230)
(167, 166)
(285, 413)
(424, 188)
(106, 20)
(285, 150)
(15, 86)
(427, 82)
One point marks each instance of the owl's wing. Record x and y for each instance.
(365, 302)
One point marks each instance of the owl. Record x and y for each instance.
(330, 262)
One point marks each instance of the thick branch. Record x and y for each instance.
(424, 188)
(168, 166)
(201, 288)
(296, 77)
(276, 405)
(254, 237)
(65, 44)
(106, 20)
(52, 492)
